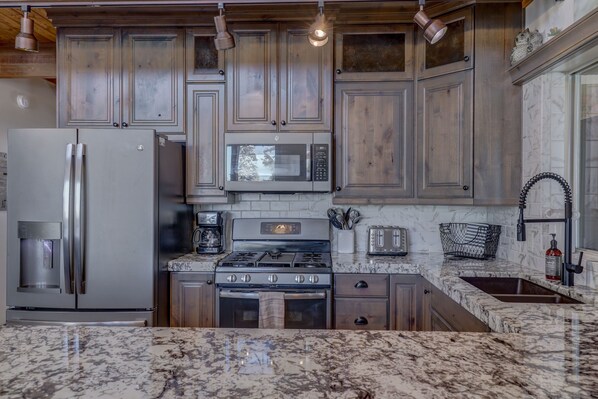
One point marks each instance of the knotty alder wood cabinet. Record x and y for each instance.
(361, 301)
(192, 299)
(113, 77)
(265, 56)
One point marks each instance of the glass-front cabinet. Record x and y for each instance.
(454, 52)
(204, 62)
(374, 53)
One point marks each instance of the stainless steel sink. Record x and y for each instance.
(510, 289)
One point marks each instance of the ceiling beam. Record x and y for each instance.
(21, 64)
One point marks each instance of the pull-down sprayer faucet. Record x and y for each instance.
(567, 268)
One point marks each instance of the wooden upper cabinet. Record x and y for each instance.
(264, 55)
(205, 143)
(374, 142)
(454, 52)
(88, 77)
(445, 136)
(370, 53)
(204, 63)
(305, 82)
(152, 80)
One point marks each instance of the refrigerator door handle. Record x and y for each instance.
(67, 204)
(79, 219)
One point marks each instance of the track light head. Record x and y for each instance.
(25, 40)
(223, 40)
(318, 31)
(434, 29)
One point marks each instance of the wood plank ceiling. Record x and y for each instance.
(10, 23)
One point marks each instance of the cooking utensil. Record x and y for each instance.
(332, 216)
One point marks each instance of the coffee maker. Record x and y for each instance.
(209, 236)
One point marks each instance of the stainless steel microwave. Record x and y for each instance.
(278, 162)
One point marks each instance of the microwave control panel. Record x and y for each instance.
(320, 162)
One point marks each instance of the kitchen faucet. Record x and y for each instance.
(567, 268)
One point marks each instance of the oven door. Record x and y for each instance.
(238, 308)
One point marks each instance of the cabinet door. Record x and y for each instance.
(447, 314)
(204, 62)
(374, 141)
(153, 79)
(454, 52)
(88, 78)
(361, 313)
(445, 120)
(205, 144)
(192, 297)
(251, 92)
(305, 101)
(406, 297)
(374, 53)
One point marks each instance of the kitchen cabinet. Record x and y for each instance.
(192, 299)
(406, 302)
(454, 52)
(374, 142)
(110, 77)
(444, 314)
(266, 55)
(361, 301)
(445, 136)
(204, 63)
(205, 144)
(374, 52)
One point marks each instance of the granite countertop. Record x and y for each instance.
(540, 351)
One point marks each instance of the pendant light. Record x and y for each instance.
(434, 29)
(25, 40)
(318, 31)
(223, 40)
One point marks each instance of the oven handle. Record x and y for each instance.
(287, 295)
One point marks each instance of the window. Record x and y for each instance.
(586, 154)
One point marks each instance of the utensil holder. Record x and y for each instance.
(345, 241)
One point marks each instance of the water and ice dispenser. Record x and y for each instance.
(40, 256)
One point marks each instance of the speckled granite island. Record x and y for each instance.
(539, 351)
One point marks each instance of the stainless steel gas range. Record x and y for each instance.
(282, 255)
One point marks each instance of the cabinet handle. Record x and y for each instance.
(338, 188)
(209, 282)
(220, 72)
(220, 188)
(273, 122)
(361, 284)
(466, 58)
(283, 123)
(427, 292)
(338, 71)
(465, 188)
(115, 124)
(361, 321)
(125, 124)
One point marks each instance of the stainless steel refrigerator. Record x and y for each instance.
(93, 217)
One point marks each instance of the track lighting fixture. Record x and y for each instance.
(318, 31)
(25, 40)
(434, 29)
(223, 40)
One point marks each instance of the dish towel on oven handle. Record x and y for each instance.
(271, 309)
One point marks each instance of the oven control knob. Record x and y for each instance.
(299, 278)
(232, 278)
(272, 278)
(313, 279)
(246, 278)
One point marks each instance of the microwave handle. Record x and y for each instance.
(309, 162)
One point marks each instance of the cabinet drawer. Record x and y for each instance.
(361, 285)
(361, 314)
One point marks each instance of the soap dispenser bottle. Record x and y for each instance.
(554, 259)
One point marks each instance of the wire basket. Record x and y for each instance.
(470, 240)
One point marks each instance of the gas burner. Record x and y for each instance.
(276, 259)
(312, 259)
(241, 259)
(273, 254)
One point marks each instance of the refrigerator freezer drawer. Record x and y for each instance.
(77, 318)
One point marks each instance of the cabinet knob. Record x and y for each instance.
(283, 123)
(209, 282)
(361, 321)
(465, 188)
(273, 122)
(125, 124)
(115, 124)
(466, 58)
(338, 71)
(361, 284)
(426, 292)
(220, 188)
(220, 72)
(338, 188)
